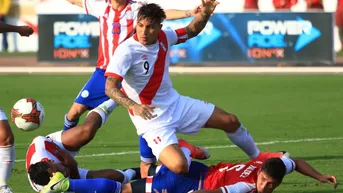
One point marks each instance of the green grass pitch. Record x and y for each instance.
(300, 114)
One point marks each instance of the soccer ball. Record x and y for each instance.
(27, 114)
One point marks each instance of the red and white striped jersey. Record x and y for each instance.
(115, 26)
(145, 69)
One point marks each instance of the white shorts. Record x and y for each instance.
(188, 117)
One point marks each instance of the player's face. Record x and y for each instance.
(265, 184)
(147, 31)
(57, 167)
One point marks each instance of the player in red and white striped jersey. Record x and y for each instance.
(7, 152)
(254, 176)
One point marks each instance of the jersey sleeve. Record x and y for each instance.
(176, 36)
(120, 63)
(240, 187)
(95, 7)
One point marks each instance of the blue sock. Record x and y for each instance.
(69, 124)
(94, 185)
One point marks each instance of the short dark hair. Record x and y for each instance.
(152, 12)
(39, 174)
(275, 168)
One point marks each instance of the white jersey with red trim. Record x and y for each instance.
(44, 149)
(115, 25)
(145, 71)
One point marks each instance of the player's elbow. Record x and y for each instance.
(110, 88)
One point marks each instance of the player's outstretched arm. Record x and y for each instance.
(76, 2)
(22, 30)
(179, 14)
(200, 21)
(306, 169)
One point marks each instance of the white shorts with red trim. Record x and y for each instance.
(187, 116)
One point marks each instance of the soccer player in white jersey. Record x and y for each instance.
(7, 152)
(55, 153)
(117, 19)
(141, 64)
(117, 22)
(7, 149)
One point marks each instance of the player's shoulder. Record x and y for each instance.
(130, 45)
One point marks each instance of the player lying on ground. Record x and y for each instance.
(261, 176)
(55, 152)
(156, 109)
(22, 30)
(46, 169)
(7, 152)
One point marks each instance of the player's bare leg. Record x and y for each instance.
(77, 137)
(144, 168)
(236, 132)
(71, 119)
(177, 157)
(7, 152)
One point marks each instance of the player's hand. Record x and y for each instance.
(65, 158)
(144, 111)
(25, 31)
(163, 191)
(208, 6)
(195, 11)
(329, 179)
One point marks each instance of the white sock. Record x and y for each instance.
(244, 140)
(108, 105)
(2, 115)
(102, 114)
(128, 175)
(7, 158)
(187, 153)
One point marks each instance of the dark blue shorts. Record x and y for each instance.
(146, 152)
(93, 92)
(176, 183)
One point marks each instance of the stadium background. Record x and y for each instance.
(296, 108)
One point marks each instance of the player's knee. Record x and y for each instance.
(179, 167)
(232, 123)
(6, 134)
